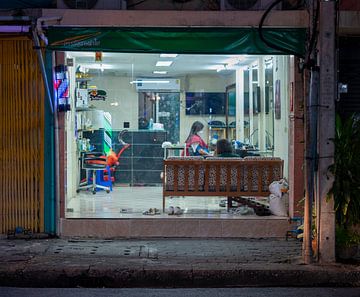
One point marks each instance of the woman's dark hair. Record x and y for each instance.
(223, 146)
(195, 128)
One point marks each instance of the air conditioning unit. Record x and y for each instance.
(157, 84)
(92, 4)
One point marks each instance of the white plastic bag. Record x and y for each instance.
(275, 188)
(277, 205)
(279, 187)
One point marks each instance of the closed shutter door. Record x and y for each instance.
(21, 136)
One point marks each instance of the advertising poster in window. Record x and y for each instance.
(277, 100)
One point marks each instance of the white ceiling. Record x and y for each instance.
(142, 65)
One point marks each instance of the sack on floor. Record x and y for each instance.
(275, 188)
(277, 205)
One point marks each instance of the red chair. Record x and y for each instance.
(113, 159)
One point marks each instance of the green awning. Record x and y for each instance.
(192, 40)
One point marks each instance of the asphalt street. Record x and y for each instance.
(196, 292)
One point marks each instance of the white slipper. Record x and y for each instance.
(178, 211)
(170, 210)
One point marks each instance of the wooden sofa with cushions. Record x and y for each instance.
(214, 176)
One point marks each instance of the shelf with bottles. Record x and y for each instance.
(82, 92)
(82, 79)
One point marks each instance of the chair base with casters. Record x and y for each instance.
(93, 162)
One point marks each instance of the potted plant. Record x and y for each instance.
(346, 186)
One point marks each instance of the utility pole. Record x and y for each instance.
(326, 130)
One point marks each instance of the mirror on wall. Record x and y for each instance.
(246, 106)
(269, 104)
(230, 116)
(254, 133)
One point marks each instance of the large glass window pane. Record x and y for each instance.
(134, 114)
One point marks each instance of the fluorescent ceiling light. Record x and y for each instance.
(168, 55)
(97, 66)
(159, 72)
(163, 63)
(139, 81)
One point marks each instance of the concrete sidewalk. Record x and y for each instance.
(164, 263)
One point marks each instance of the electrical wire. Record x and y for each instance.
(312, 43)
(267, 42)
(29, 4)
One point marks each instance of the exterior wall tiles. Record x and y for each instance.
(187, 228)
(147, 228)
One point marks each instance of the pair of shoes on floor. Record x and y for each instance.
(175, 210)
(223, 202)
(151, 212)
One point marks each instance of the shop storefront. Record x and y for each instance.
(117, 102)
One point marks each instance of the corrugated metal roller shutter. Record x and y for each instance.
(21, 136)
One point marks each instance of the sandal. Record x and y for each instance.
(151, 212)
(178, 211)
(170, 210)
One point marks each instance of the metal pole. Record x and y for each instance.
(311, 161)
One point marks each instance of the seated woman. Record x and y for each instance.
(224, 149)
(195, 145)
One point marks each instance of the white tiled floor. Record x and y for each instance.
(130, 202)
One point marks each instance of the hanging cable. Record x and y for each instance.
(267, 42)
(309, 62)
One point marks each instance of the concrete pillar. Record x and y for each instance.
(326, 120)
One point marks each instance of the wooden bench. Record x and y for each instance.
(229, 177)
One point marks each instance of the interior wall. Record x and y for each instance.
(281, 126)
(121, 92)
